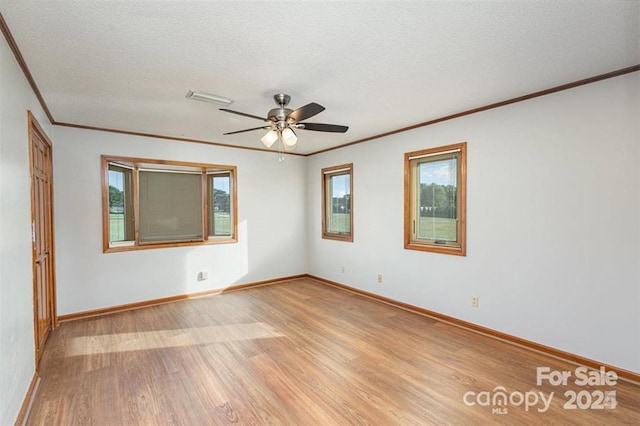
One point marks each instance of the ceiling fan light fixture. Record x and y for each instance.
(289, 137)
(269, 138)
(208, 97)
(288, 148)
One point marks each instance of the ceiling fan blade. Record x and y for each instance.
(306, 111)
(247, 130)
(243, 114)
(320, 127)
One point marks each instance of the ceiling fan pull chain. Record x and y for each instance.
(280, 150)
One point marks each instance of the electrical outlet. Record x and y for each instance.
(379, 278)
(342, 269)
(203, 275)
(475, 301)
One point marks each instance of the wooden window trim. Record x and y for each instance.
(207, 240)
(461, 248)
(329, 171)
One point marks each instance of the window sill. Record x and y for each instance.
(120, 248)
(338, 237)
(443, 249)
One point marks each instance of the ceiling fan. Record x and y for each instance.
(282, 121)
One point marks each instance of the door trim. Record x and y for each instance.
(35, 128)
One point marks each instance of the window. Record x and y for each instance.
(120, 203)
(337, 202)
(220, 223)
(435, 199)
(153, 203)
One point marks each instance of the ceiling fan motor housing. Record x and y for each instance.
(279, 114)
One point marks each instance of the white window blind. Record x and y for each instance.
(435, 154)
(170, 206)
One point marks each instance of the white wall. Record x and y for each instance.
(17, 358)
(553, 222)
(271, 221)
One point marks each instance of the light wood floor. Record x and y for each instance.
(297, 353)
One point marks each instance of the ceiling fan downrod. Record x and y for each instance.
(282, 99)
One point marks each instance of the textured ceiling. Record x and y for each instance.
(376, 66)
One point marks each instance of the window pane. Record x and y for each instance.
(120, 205)
(437, 200)
(339, 204)
(170, 206)
(220, 217)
